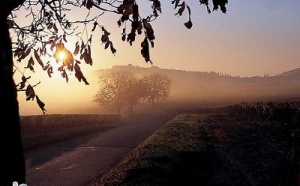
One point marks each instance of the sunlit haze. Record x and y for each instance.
(254, 38)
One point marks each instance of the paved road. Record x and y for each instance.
(78, 161)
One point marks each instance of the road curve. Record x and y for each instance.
(76, 162)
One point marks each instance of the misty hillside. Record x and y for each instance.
(212, 87)
(290, 74)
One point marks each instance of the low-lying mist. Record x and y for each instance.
(188, 90)
(211, 89)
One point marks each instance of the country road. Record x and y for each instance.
(76, 162)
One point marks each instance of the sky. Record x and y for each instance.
(254, 38)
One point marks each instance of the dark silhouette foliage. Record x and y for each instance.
(51, 28)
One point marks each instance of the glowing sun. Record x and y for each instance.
(61, 56)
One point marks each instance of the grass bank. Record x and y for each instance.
(166, 158)
(213, 149)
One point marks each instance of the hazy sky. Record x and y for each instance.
(254, 38)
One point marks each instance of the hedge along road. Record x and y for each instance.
(78, 161)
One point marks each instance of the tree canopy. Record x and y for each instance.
(116, 89)
(119, 89)
(158, 87)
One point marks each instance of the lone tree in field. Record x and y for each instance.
(44, 34)
(157, 87)
(118, 90)
(134, 95)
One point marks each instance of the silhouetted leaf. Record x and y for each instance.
(76, 51)
(149, 30)
(156, 7)
(50, 71)
(135, 12)
(104, 38)
(18, 52)
(65, 75)
(181, 9)
(106, 45)
(52, 46)
(52, 38)
(78, 74)
(82, 47)
(203, 2)
(90, 39)
(87, 56)
(55, 28)
(83, 3)
(176, 3)
(121, 8)
(22, 52)
(152, 44)
(37, 57)
(119, 22)
(89, 4)
(30, 94)
(40, 104)
(46, 66)
(23, 82)
(123, 37)
(32, 29)
(112, 49)
(221, 4)
(145, 50)
(140, 27)
(189, 24)
(49, 26)
(131, 37)
(68, 60)
(126, 9)
(94, 27)
(30, 64)
(65, 38)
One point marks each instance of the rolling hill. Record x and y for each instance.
(216, 88)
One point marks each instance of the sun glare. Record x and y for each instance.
(61, 56)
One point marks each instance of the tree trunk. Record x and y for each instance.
(131, 111)
(12, 162)
(152, 102)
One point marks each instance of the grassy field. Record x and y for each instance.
(215, 147)
(46, 129)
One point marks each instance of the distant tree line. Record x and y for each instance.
(121, 89)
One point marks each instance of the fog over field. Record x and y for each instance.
(213, 86)
(188, 89)
(218, 88)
